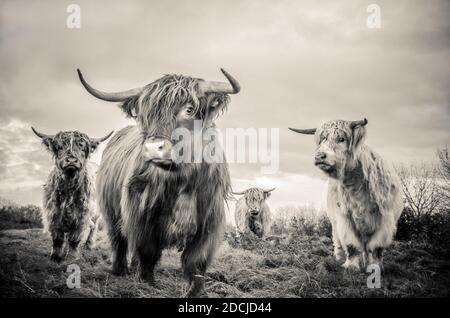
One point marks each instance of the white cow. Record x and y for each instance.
(364, 193)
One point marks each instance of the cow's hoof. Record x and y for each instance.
(149, 280)
(147, 277)
(197, 289)
(375, 263)
(192, 293)
(351, 266)
(88, 246)
(73, 255)
(56, 258)
(120, 271)
(339, 255)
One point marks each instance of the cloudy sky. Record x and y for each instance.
(299, 63)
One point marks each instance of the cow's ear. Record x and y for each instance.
(93, 146)
(131, 106)
(267, 194)
(47, 140)
(49, 144)
(94, 142)
(358, 137)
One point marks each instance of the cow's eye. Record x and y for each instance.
(189, 109)
(341, 139)
(215, 103)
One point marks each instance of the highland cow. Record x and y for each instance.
(68, 212)
(252, 213)
(150, 200)
(364, 193)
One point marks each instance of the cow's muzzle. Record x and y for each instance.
(70, 170)
(325, 166)
(158, 151)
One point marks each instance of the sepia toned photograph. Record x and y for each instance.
(247, 149)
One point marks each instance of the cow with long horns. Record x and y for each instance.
(152, 201)
(69, 212)
(252, 213)
(364, 193)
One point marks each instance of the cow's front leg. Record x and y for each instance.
(119, 246)
(351, 244)
(195, 259)
(91, 234)
(149, 254)
(354, 257)
(338, 251)
(73, 240)
(375, 256)
(381, 239)
(57, 248)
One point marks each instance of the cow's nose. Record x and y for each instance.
(71, 160)
(157, 148)
(321, 156)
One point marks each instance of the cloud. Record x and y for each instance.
(299, 63)
(24, 163)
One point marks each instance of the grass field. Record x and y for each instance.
(297, 266)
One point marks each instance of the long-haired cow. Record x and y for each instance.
(364, 194)
(252, 213)
(69, 204)
(151, 201)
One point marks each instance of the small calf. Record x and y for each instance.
(69, 212)
(252, 213)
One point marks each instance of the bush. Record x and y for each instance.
(301, 221)
(20, 217)
(432, 230)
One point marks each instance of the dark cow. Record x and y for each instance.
(149, 200)
(252, 213)
(69, 205)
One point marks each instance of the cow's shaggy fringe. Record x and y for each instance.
(158, 102)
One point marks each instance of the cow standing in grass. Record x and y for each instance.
(69, 205)
(364, 193)
(151, 200)
(252, 213)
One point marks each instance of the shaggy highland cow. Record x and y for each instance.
(252, 213)
(69, 205)
(364, 193)
(151, 201)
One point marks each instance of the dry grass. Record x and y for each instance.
(296, 261)
(298, 266)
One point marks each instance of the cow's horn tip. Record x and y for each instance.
(79, 73)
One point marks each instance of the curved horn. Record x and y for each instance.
(270, 190)
(109, 97)
(310, 131)
(232, 87)
(41, 135)
(356, 123)
(99, 140)
(238, 193)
